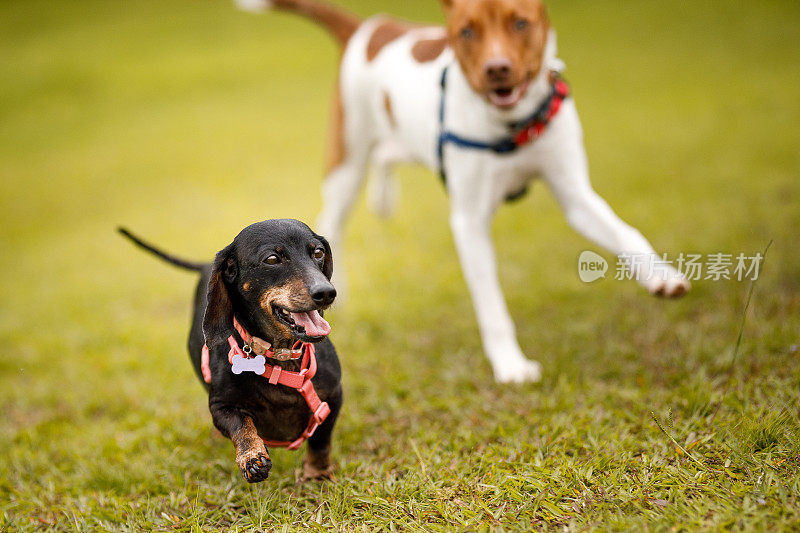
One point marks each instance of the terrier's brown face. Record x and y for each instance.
(499, 45)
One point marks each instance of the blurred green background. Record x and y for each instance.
(188, 120)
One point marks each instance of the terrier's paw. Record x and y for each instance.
(519, 371)
(660, 278)
(255, 469)
(673, 286)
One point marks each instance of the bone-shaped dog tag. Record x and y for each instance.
(242, 364)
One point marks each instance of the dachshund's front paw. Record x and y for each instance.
(255, 469)
(251, 454)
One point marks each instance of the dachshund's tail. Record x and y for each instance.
(188, 265)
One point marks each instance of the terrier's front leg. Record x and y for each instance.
(591, 216)
(476, 254)
(566, 171)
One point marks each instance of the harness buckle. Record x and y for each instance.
(281, 355)
(285, 354)
(321, 413)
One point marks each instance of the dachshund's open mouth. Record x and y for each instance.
(305, 325)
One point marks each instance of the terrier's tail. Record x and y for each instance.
(338, 22)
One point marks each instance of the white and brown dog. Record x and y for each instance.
(481, 99)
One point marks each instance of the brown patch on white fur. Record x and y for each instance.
(386, 32)
(493, 34)
(387, 106)
(426, 50)
(317, 465)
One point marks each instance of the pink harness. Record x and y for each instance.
(300, 381)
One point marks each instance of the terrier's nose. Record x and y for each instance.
(323, 293)
(497, 69)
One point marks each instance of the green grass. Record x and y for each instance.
(187, 120)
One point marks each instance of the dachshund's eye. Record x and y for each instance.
(319, 254)
(272, 260)
(521, 24)
(467, 32)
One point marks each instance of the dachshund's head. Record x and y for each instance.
(275, 279)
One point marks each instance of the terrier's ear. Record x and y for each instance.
(218, 318)
(447, 4)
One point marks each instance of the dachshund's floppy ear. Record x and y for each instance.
(218, 319)
(327, 264)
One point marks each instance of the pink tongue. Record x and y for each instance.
(314, 324)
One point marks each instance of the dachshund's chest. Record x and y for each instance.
(281, 413)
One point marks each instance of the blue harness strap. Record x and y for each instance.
(521, 130)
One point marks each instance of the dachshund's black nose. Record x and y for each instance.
(323, 293)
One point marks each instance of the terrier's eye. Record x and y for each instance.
(272, 260)
(319, 254)
(467, 32)
(521, 24)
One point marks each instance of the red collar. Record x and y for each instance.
(300, 381)
(529, 129)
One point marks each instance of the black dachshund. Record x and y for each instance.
(258, 338)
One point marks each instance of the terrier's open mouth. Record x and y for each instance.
(508, 96)
(305, 325)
